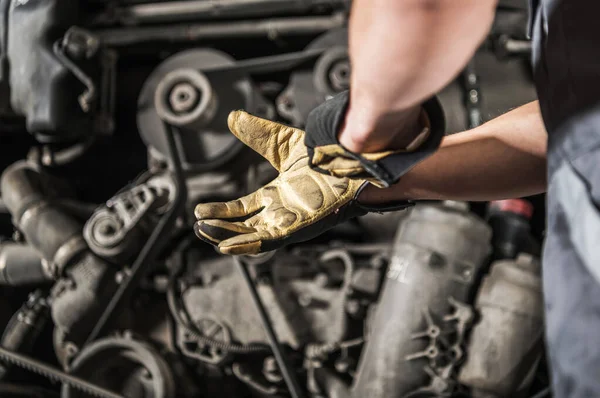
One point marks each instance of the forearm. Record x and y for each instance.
(504, 158)
(402, 52)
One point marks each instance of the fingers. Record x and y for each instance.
(230, 238)
(215, 231)
(241, 207)
(277, 143)
(242, 244)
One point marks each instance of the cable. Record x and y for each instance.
(286, 370)
(179, 311)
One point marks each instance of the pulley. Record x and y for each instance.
(195, 90)
(124, 365)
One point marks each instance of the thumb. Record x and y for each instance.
(278, 143)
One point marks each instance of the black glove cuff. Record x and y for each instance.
(324, 123)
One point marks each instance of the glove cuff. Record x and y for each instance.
(380, 208)
(328, 156)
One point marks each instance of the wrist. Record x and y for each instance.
(372, 195)
(366, 130)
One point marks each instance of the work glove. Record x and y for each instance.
(382, 169)
(298, 205)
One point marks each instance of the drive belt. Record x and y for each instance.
(54, 374)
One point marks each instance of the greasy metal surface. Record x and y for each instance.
(288, 372)
(505, 346)
(436, 257)
(140, 370)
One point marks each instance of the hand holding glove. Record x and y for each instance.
(300, 204)
(382, 169)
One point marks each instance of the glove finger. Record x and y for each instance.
(243, 244)
(274, 141)
(241, 207)
(215, 231)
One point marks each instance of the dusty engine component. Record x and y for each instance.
(24, 328)
(510, 308)
(310, 87)
(21, 265)
(85, 282)
(124, 365)
(418, 331)
(50, 75)
(116, 231)
(195, 90)
(305, 294)
(326, 318)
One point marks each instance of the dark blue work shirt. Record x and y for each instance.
(566, 64)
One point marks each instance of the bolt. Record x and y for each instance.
(378, 262)
(353, 307)
(322, 279)
(467, 274)
(71, 349)
(473, 96)
(339, 76)
(184, 97)
(270, 365)
(342, 365)
(304, 300)
(271, 370)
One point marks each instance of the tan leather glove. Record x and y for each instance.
(382, 169)
(298, 205)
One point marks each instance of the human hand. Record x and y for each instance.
(298, 205)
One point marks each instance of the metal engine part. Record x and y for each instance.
(420, 323)
(125, 365)
(116, 231)
(300, 303)
(22, 265)
(85, 282)
(25, 326)
(194, 91)
(66, 103)
(310, 87)
(354, 312)
(505, 345)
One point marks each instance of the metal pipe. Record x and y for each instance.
(177, 11)
(29, 194)
(286, 370)
(21, 264)
(271, 28)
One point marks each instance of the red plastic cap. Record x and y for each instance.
(516, 206)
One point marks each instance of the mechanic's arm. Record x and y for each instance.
(402, 52)
(504, 158)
